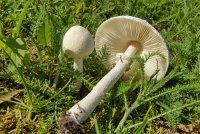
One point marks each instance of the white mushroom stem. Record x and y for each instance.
(84, 108)
(78, 65)
(133, 48)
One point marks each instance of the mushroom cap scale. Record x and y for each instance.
(78, 42)
(119, 32)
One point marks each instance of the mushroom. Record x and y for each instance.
(78, 44)
(125, 36)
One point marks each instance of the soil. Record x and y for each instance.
(69, 125)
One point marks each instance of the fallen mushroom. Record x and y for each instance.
(124, 33)
(125, 36)
(78, 44)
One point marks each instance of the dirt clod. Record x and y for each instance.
(68, 125)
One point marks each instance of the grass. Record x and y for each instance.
(36, 62)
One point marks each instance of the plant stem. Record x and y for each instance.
(127, 113)
(56, 76)
(30, 112)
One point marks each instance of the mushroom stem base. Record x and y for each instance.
(68, 125)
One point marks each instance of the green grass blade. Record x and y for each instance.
(141, 128)
(96, 124)
(21, 17)
(27, 107)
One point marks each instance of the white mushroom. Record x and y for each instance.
(125, 36)
(77, 44)
(123, 33)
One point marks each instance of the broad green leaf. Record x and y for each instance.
(10, 68)
(57, 20)
(2, 44)
(12, 17)
(1, 28)
(1, 33)
(71, 17)
(21, 18)
(41, 76)
(79, 6)
(26, 59)
(44, 33)
(2, 37)
(16, 49)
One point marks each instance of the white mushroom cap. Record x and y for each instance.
(119, 32)
(78, 42)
